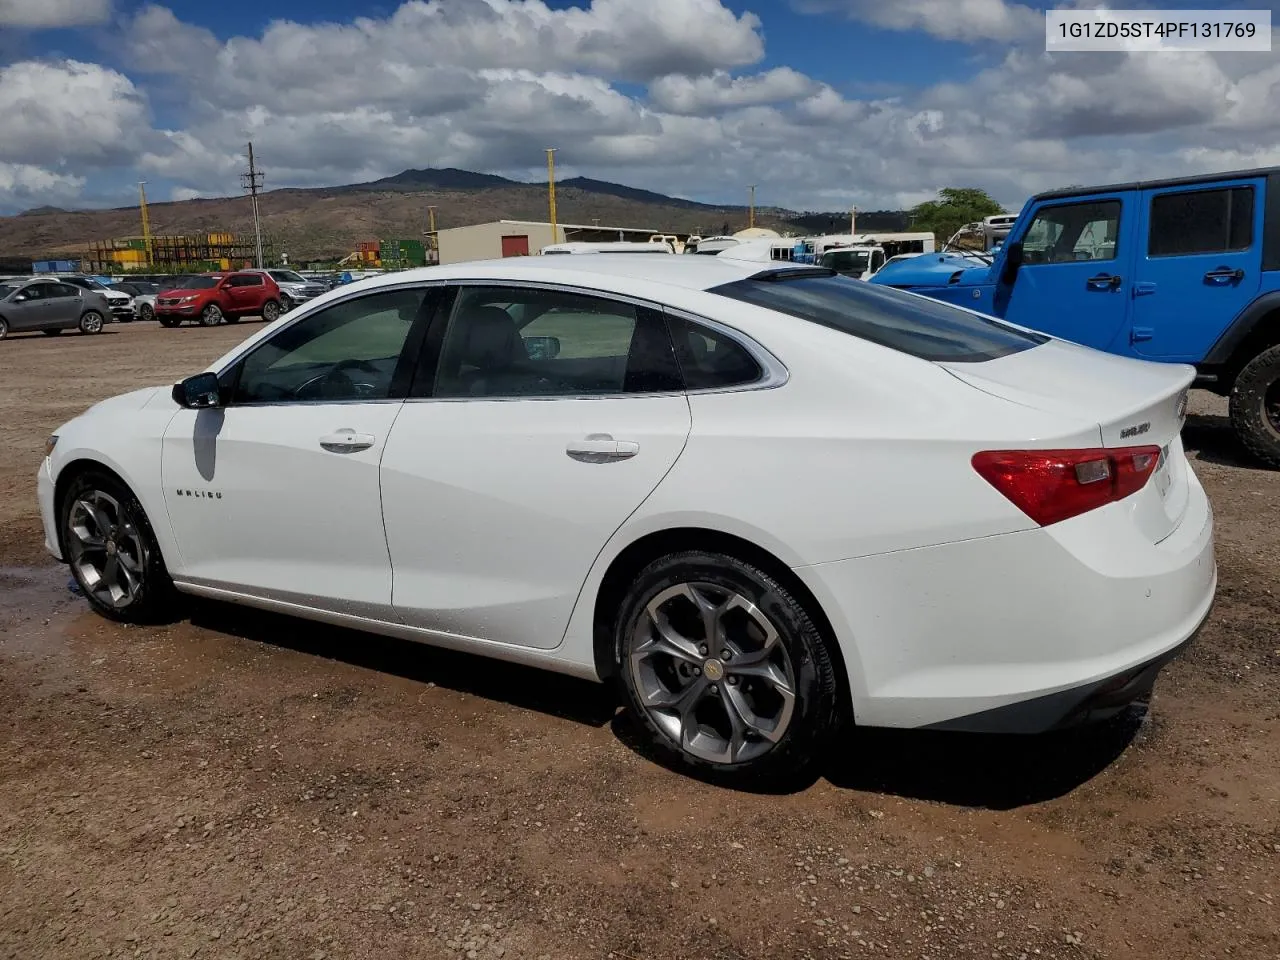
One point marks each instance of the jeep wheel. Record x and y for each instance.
(1255, 406)
(211, 315)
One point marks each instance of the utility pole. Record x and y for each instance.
(751, 210)
(252, 181)
(853, 219)
(433, 241)
(551, 191)
(146, 221)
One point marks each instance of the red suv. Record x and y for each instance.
(211, 298)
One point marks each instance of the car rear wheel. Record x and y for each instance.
(4, 328)
(725, 669)
(270, 311)
(112, 550)
(211, 315)
(91, 322)
(1255, 406)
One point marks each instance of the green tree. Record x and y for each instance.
(954, 207)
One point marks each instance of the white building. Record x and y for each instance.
(522, 238)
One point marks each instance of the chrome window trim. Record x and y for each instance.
(774, 373)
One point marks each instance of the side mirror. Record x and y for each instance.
(1012, 261)
(542, 348)
(19, 298)
(198, 392)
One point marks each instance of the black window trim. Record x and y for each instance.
(407, 365)
(1081, 202)
(1203, 188)
(775, 373)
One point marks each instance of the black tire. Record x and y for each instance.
(211, 316)
(815, 710)
(170, 321)
(271, 311)
(155, 598)
(91, 321)
(1255, 406)
(54, 332)
(146, 312)
(286, 303)
(4, 328)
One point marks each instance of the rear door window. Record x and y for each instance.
(1201, 221)
(911, 324)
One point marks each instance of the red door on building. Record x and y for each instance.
(515, 246)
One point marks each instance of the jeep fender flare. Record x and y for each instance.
(1242, 327)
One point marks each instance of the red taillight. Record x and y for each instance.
(1054, 485)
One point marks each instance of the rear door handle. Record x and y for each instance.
(601, 448)
(1222, 276)
(347, 441)
(1103, 281)
(1143, 288)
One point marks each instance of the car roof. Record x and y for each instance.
(1155, 184)
(603, 271)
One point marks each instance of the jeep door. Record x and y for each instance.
(1200, 265)
(1074, 281)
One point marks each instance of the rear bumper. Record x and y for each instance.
(1019, 632)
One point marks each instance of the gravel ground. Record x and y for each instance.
(244, 785)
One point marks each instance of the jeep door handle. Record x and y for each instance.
(347, 441)
(1103, 282)
(601, 448)
(1222, 275)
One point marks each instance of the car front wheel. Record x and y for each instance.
(211, 315)
(112, 550)
(725, 669)
(147, 312)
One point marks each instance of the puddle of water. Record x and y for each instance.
(30, 598)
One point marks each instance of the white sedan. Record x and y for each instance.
(766, 499)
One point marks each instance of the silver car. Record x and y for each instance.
(50, 306)
(294, 287)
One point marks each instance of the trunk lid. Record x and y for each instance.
(1135, 403)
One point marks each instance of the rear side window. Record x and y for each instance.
(915, 325)
(1201, 221)
(709, 359)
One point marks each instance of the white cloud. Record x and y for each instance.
(53, 13)
(67, 111)
(714, 92)
(25, 182)
(964, 20)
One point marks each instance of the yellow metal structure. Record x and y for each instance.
(551, 191)
(146, 221)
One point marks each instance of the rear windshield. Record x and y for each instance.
(918, 326)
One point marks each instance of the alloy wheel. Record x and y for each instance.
(91, 322)
(106, 549)
(211, 316)
(712, 673)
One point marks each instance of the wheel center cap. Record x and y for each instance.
(713, 670)
(111, 548)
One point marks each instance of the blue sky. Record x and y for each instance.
(823, 103)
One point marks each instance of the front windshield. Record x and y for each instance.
(847, 260)
(287, 276)
(199, 283)
(6, 289)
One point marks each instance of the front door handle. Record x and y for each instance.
(347, 441)
(1223, 276)
(601, 448)
(1103, 282)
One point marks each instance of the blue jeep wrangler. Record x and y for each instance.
(1181, 271)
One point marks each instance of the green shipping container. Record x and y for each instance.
(138, 244)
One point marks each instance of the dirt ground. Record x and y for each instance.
(243, 785)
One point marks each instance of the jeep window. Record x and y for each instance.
(1069, 232)
(929, 329)
(1201, 221)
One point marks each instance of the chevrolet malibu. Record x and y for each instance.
(768, 501)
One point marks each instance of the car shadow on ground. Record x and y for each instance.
(1209, 437)
(995, 772)
(569, 698)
